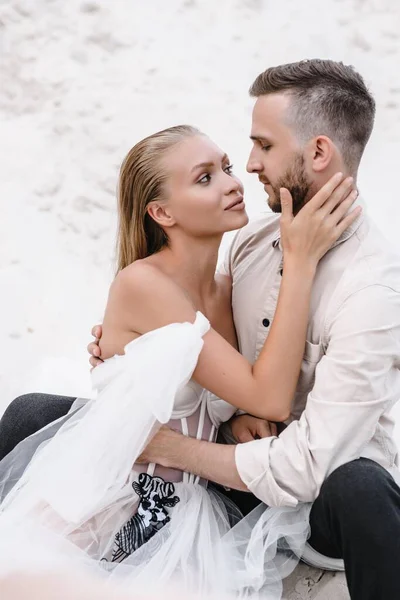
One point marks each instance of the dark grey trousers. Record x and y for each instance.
(27, 414)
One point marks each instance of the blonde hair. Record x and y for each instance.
(142, 181)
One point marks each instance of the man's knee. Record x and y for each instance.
(16, 423)
(359, 483)
(358, 506)
(35, 410)
(27, 414)
(17, 412)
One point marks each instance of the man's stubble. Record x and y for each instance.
(296, 181)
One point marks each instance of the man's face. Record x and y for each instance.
(277, 156)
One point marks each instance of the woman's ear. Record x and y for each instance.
(321, 152)
(160, 213)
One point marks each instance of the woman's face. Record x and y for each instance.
(203, 195)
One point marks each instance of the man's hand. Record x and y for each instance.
(246, 428)
(93, 347)
(162, 447)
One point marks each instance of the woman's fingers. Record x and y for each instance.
(338, 196)
(286, 204)
(342, 209)
(94, 349)
(324, 193)
(97, 331)
(347, 221)
(95, 362)
(321, 221)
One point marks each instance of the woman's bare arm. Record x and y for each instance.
(150, 300)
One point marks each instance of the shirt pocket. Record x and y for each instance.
(311, 357)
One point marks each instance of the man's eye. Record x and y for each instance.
(229, 169)
(205, 179)
(265, 147)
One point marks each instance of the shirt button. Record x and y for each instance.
(275, 243)
(265, 322)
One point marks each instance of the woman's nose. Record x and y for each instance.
(234, 185)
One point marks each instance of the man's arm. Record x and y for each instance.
(356, 381)
(215, 462)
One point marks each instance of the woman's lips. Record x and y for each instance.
(239, 206)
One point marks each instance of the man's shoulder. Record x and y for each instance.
(371, 271)
(376, 261)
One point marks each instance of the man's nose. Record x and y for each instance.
(253, 164)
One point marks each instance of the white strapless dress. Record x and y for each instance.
(73, 499)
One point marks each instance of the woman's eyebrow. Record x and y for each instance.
(202, 166)
(209, 164)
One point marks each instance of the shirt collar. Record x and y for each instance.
(276, 240)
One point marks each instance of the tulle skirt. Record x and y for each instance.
(69, 493)
(205, 548)
(197, 551)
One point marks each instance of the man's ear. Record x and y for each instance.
(321, 153)
(160, 213)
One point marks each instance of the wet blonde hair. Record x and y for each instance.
(141, 181)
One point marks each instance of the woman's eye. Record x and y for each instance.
(205, 179)
(229, 169)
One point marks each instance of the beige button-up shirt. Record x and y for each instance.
(350, 377)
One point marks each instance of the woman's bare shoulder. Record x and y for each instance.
(138, 276)
(142, 281)
(147, 298)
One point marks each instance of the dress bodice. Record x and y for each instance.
(192, 395)
(197, 413)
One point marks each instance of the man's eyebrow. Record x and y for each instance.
(209, 164)
(259, 138)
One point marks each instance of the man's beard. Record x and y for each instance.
(296, 181)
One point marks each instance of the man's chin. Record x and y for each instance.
(274, 204)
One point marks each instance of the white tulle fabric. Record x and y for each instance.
(67, 490)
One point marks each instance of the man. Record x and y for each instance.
(310, 120)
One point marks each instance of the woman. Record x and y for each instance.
(169, 347)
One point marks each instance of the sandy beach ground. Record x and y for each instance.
(82, 81)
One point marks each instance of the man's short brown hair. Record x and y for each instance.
(329, 98)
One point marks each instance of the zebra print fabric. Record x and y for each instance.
(156, 495)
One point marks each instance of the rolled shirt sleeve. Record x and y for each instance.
(357, 380)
